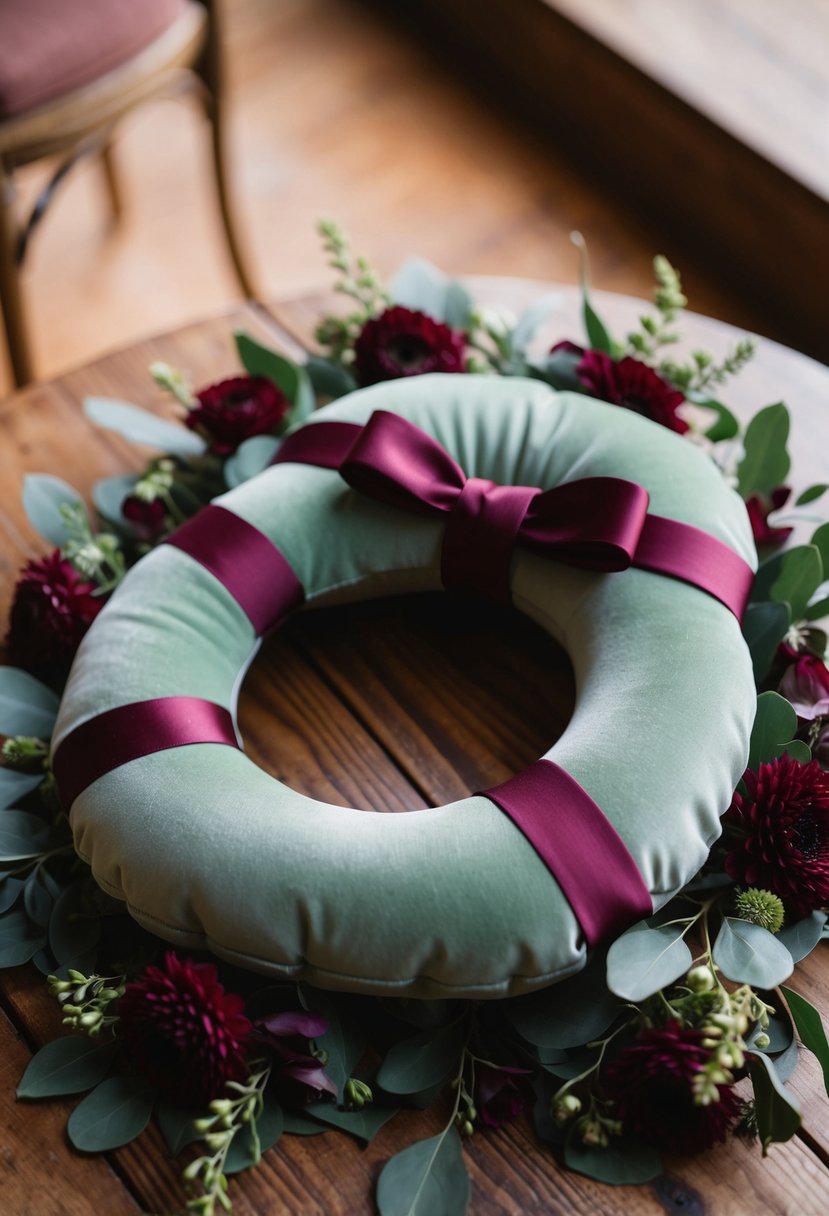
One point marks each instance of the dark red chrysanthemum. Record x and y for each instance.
(632, 384)
(149, 519)
(237, 409)
(298, 1075)
(186, 1034)
(51, 611)
(778, 833)
(502, 1094)
(651, 1087)
(400, 342)
(760, 507)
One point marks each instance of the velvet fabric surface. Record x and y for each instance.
(209, 851)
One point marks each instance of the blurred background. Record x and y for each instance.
(477, 133)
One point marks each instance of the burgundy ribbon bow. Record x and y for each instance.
(594, 523)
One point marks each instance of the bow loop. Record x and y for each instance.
(396, 462)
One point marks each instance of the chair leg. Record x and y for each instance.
(217, 147)
(10, 295)
(113, 185)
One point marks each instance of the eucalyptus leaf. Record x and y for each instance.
(810, 1027)
(27, 707)
(329, 379)
(749, 954)
(801, 938)
(786, 1063)
(250, 458)
(558, 369)
(259, 360)
(820, 540)
(428, 1178)
(298, 1125)
(43, 497)
(364, 1124)
(108, 497)
(726, 425)
(37, 901)
(114, 1113)
(22, 835)
(457, 307)
(71, 1065)
(778, 1111)
(246, 1149)
(422, 287)
(73, 930)
(15, 786)
(775, 724)
(765, 463)
(140, 426)
(568, 1014)
(546, 1127)
(176, 1125)
(800, 576)
(643, 960)
(421, 1062)
(780, 1032)
(20, 940)
(764, 627)
(531, 318)
(623, 1162)
(810, 494)
(10, 889)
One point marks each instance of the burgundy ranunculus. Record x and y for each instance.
(234, 410)
(759, 508)
(632, 384)
(149, 519)
(52, 609)
(298, 1076)
(186, 1034)
(778, 833)
(805, 683)
(502, 1094)
(651, 1085)
(400, 342)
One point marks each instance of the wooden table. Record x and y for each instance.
(371, 706)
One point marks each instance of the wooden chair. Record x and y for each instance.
(63, 98)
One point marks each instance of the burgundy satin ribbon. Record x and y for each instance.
(117, 736)
(664, 546)
(244, 561)
(580, 847)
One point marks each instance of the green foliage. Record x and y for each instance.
(643, 960)
(597, 334)
(810, 494)
(116, 1112)
(289, 377)
(801, 938)
(777, 1110)
(343, 1042)
(765, 463)
(329, 379)
(364, 1124)
(428, 1178)
(570, 1013)
(250, 458)
(71, 1065)
(749, 954)
(422, 287)
(775, 725)
(622, 1162)
(142, 427)
(810, 1028)
(764, 627)
(44, 498)
(422, 1062)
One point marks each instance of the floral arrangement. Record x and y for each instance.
(642, 1052)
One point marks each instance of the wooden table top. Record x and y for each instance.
(371, 706)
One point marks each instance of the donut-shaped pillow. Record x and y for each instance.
(504, 891)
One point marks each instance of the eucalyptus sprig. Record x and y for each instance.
(227, 1118)
(96, 556)
(359, 282)
(669, 301)
(85, 1000)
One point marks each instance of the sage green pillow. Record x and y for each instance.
(209, 851)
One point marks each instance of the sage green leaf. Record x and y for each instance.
(364, 1124)
(780, 1033)
(246, 1148)
(623, 1162)
(810, 1028)
(421, 1062)
(344, 1041)
(573, 1064)
(749, 954)
(43, 497)
(140, 426)
(37, 901)
(329, 379)
(176, 1125)
(20, 940)
(114, 1113)
(800, 576)
(298, 1125)
(568, 1014)
(22, 835)
(531, 318)
(820, 540)
(27, 707)
(422, 287)
(643, 960)
(765, 463)
(786, 1062)
(798, 750)
(73, 930)
(108, 496)
(10, 889)
(558, 369)
(726, 425)
(810, 494)
(801, 938)
(775, 724)
(15, 786)
(250, 458)
(764, 627)
(817, 610)
(457, 308)
(778, 1111)
(546, 1127)
(428, 1178)
(66, 1066)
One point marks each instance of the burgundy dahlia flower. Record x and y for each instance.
(149, 519)
(186, 1034)
(805, 683)
(298, 1075)
(651, 1085)
(52, 609)
(401, 342)
(760, 507)
(233, 410)
(630, 383)
(502, 1094)
(778, 833)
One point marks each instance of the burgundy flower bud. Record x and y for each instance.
(234, 410)
(502, 1094)
(149, 519)
(52, 609)
(633, 384)
(298, 1075)
(778, 833)
(805, 683)
(401, 342)
(760, 507)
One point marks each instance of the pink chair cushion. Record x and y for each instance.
(50, 47)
